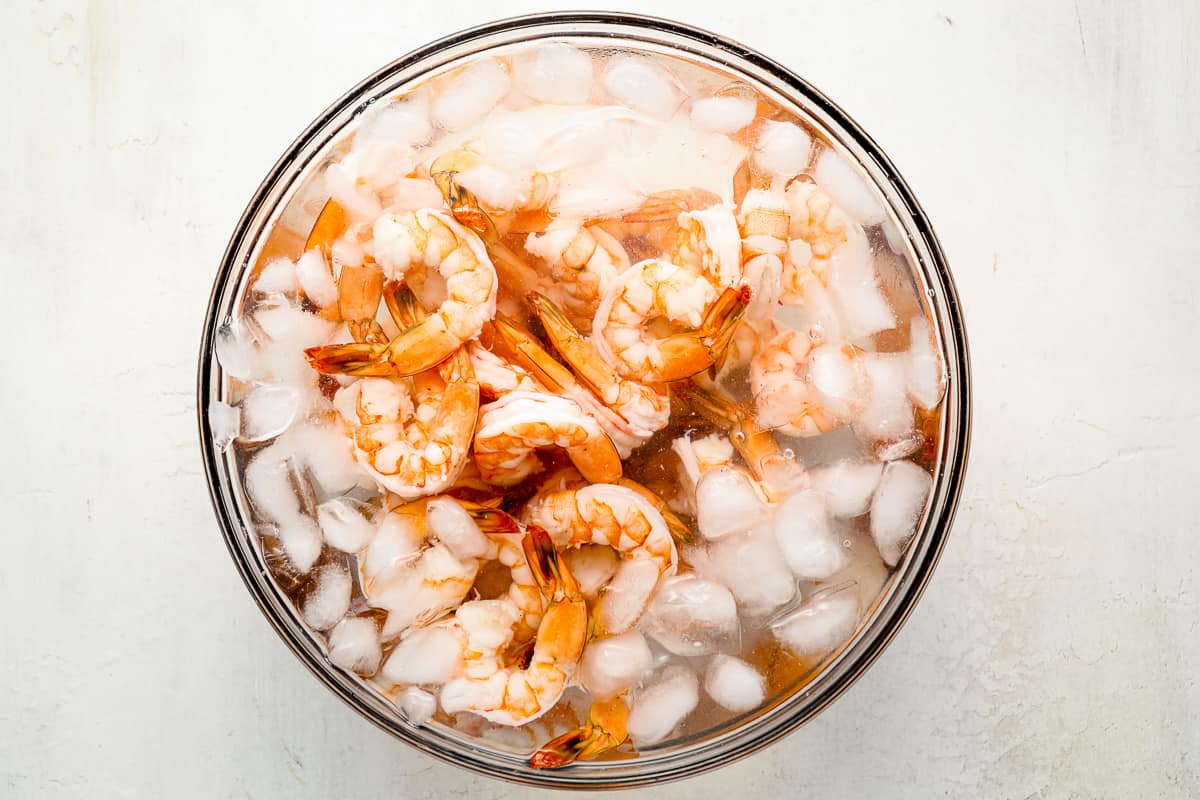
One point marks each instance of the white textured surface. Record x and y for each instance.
(1055, 147)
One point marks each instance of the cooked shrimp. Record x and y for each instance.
(506, 694)
(624, 520)
(776, 471)
(584, 262)
(654, 293)
(804, 387)
(497, 376)
(414, 240)
(626, 434)
(763, 223)
(513, 428)
(413, 436)
(816, 228)
(606, 728)
(709, 243)
(646, 408)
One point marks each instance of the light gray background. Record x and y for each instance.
(1056, 147)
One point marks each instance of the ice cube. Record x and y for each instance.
(268, 411)
(925, 375)
(346, 523)
(405, 122)
(224, 421)
(661, 706)
(277, 276)
(450, 523)
(626, 596)
(354, 645)
(592, 565)
(494, 187)
(782, 149)
(235, 350)
(422, 591)
(429, 656)
(316, 279)
(554, 73)
(397, 541)
(887, 414)
(329, 599)
(848, 189)
(734, 684)
(360, 203)
(301, 541)
(847, 485)
(642, 86)
(410, 194)
(862, 306)
(611, 665)
(751, 565)
(896, 509)
(328, 455)
(824, 621)
(691, 616)
(727, 502)
(470, 96)
(723, 114)
(802, 529)
(893, 236)
(418, 705)
(900, 447)
(837, 374)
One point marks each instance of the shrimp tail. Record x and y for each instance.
(571, 345)
(361, 359)
(686, 354)
(528, 353)
(606, 729)
(549, 570)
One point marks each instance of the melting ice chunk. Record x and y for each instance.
(316, 279)
(896, 509)
(726, 502)
(661, 706)
(642, 86)
(925, 380)
(418, 705)
(862, 306)
(329, 599)
(301, 541)
(751, 565)
(450, 523)
(268, 411)
(611, 665)
(471, 95)
(847, 485)
(723, 114)
(346, 523)
(235, 350)
(428, 656)
(848, 189)
(328, 456)
(354, 645)
(809, 547)
(277, 275)
(224, 421)
(625, 598)
(554, 73)
(782, 149)
(691, 616)
(824, 621)
(887, 414)
(733, 683)
(397, 541)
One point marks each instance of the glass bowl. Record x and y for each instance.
(263, 232)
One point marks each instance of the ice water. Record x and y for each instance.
(594, 136)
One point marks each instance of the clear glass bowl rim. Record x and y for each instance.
(920, 562)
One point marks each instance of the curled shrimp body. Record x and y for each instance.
(499, 691)
(406, 244)
(816, 229)
(623, 519)
(513, 428)
(584, 262)
(804, 387)
(709, 244)
(413, 436)
(655, 293)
